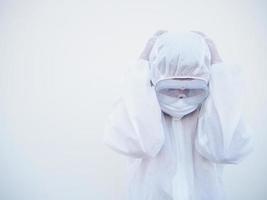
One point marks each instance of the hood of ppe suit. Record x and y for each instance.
(184, 55)
(135, 126)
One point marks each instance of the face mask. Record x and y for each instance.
(178, 98)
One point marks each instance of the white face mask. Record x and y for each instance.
(178, 98)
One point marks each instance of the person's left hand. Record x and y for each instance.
(215, 56)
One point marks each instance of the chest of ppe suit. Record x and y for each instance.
(177, 153)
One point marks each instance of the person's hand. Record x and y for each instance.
(149, 45)
(215, 56)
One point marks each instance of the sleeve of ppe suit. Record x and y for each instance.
(135, 125)
(222, 134)
(119, 133)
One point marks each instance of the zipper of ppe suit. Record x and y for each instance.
(181, 190)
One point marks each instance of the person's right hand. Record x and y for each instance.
(149, 45)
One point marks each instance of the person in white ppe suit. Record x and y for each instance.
(179, 120)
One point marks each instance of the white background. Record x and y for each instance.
(61, 63)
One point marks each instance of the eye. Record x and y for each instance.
(173, 92)
(181, 93)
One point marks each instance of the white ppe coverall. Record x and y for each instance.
(179, 121)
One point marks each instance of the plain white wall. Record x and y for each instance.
(61, 65)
